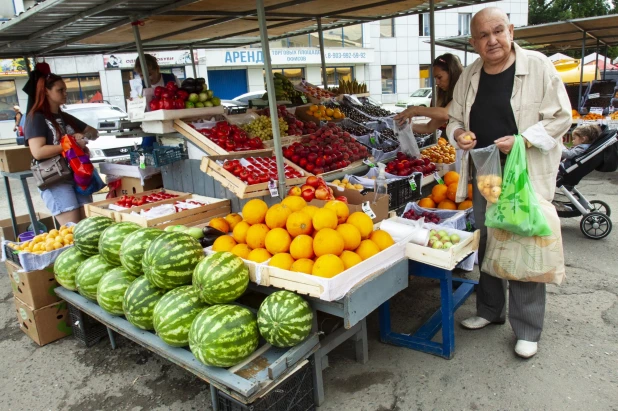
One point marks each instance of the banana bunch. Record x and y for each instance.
(350, 87)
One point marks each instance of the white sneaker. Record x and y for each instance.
(526, 349)
(475, 323)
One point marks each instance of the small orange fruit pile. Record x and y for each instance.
(441, 153)
(303, 238)
(443, 195)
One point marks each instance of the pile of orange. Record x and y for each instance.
(303, 238)
(443, 195)
(323, 113)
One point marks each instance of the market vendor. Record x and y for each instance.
(154, 73)
(45, 125)
(509, 91)
(446, 71)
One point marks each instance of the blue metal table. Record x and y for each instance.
(443, 319)
(23, 176)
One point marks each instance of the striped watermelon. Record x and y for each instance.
(174, 314)
(134, 246)
(66, 266)
(221, 278)
(284, 319)
(89, 274)
(170, 259)
(112, 287)
(111, 239)
(139, 302)
(87, 232)
(223, 335)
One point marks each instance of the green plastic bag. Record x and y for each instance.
(517, 209)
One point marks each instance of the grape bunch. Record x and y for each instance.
(261, 127)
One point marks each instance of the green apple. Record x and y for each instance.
(199, 104)
(194, 98)
(433, 239)
(208, 103)
(210, 93)
(437, 245)
(433, 233)
(455, 238)
(189, 104)
(216, 101)
(442, 233)
(203, 97)
(447, 245)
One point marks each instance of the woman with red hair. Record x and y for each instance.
(45, 126)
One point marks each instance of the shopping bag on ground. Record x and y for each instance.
(517, 209)
(488, 172)
(79, 162)
(523, 258)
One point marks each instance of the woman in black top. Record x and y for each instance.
(45, 126)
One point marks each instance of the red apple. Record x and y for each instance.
(294, 191)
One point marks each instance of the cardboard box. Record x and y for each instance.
(23, 222)
(46, 324)
(359, 202)
(131, 185)
(15, 158)
(35, 288)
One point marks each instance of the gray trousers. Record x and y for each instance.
(526, 299)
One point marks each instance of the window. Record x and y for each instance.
(8, 99)
(387, 28)
(464, 23)
(299, 41)
(424, 76)
(334, 74)
(83, 89)
(353, 36)
(388, 80)
(423, 25)
(295, 75)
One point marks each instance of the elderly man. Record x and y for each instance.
(509, 91)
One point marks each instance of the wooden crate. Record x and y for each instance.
(237, 186)
(446, 259)
(216, 208)
(207, 145)
(101, 208)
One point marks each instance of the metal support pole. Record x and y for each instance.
(272, 98)
(605, 64)
(596, 66)
(193, 62)
(140, 52)
(466, 56)
(432, 32)
(581, 73)
(322, 58)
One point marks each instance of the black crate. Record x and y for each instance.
(158, 156)
(602, 87)
(400, 191)
(85, 328)
(294, 394)
(11, 255)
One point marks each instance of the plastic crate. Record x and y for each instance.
(85, 328)
(11, 255)
(158, 156)
(400, 192)
(293, 394)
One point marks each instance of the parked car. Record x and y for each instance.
(421, 97)
(244, 98)
(105, 118)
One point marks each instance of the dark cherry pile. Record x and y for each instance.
(428, 216)
(388, 133)
(350, 112)
(355, 129)
(372, 110)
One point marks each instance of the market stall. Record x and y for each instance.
(359, 252)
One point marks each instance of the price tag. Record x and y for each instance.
(368, 163)
(412, 184)
(136, 108)
(594, 95)
(438, 178)
(303, 98)
(142, 161)
(272, 186)
(372, 140)
(367, 210)
(596, 110)
(468, 226)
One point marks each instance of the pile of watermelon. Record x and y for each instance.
(161, 281)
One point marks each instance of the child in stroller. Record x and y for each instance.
(600, 154)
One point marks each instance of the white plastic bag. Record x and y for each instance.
(407, 142)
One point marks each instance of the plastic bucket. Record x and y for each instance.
(27, 236)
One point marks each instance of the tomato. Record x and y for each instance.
(171, 86)
(253, 179)
(155, 104)
(244, 174)
(158, 90)
(167, 104)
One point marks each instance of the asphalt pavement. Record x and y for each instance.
(576, 367)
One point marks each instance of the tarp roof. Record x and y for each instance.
(69, 27)
(560, 36)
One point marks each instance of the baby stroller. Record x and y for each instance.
(602, 156)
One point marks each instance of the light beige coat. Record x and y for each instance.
(542, 113)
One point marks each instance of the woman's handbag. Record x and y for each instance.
(50, 172)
